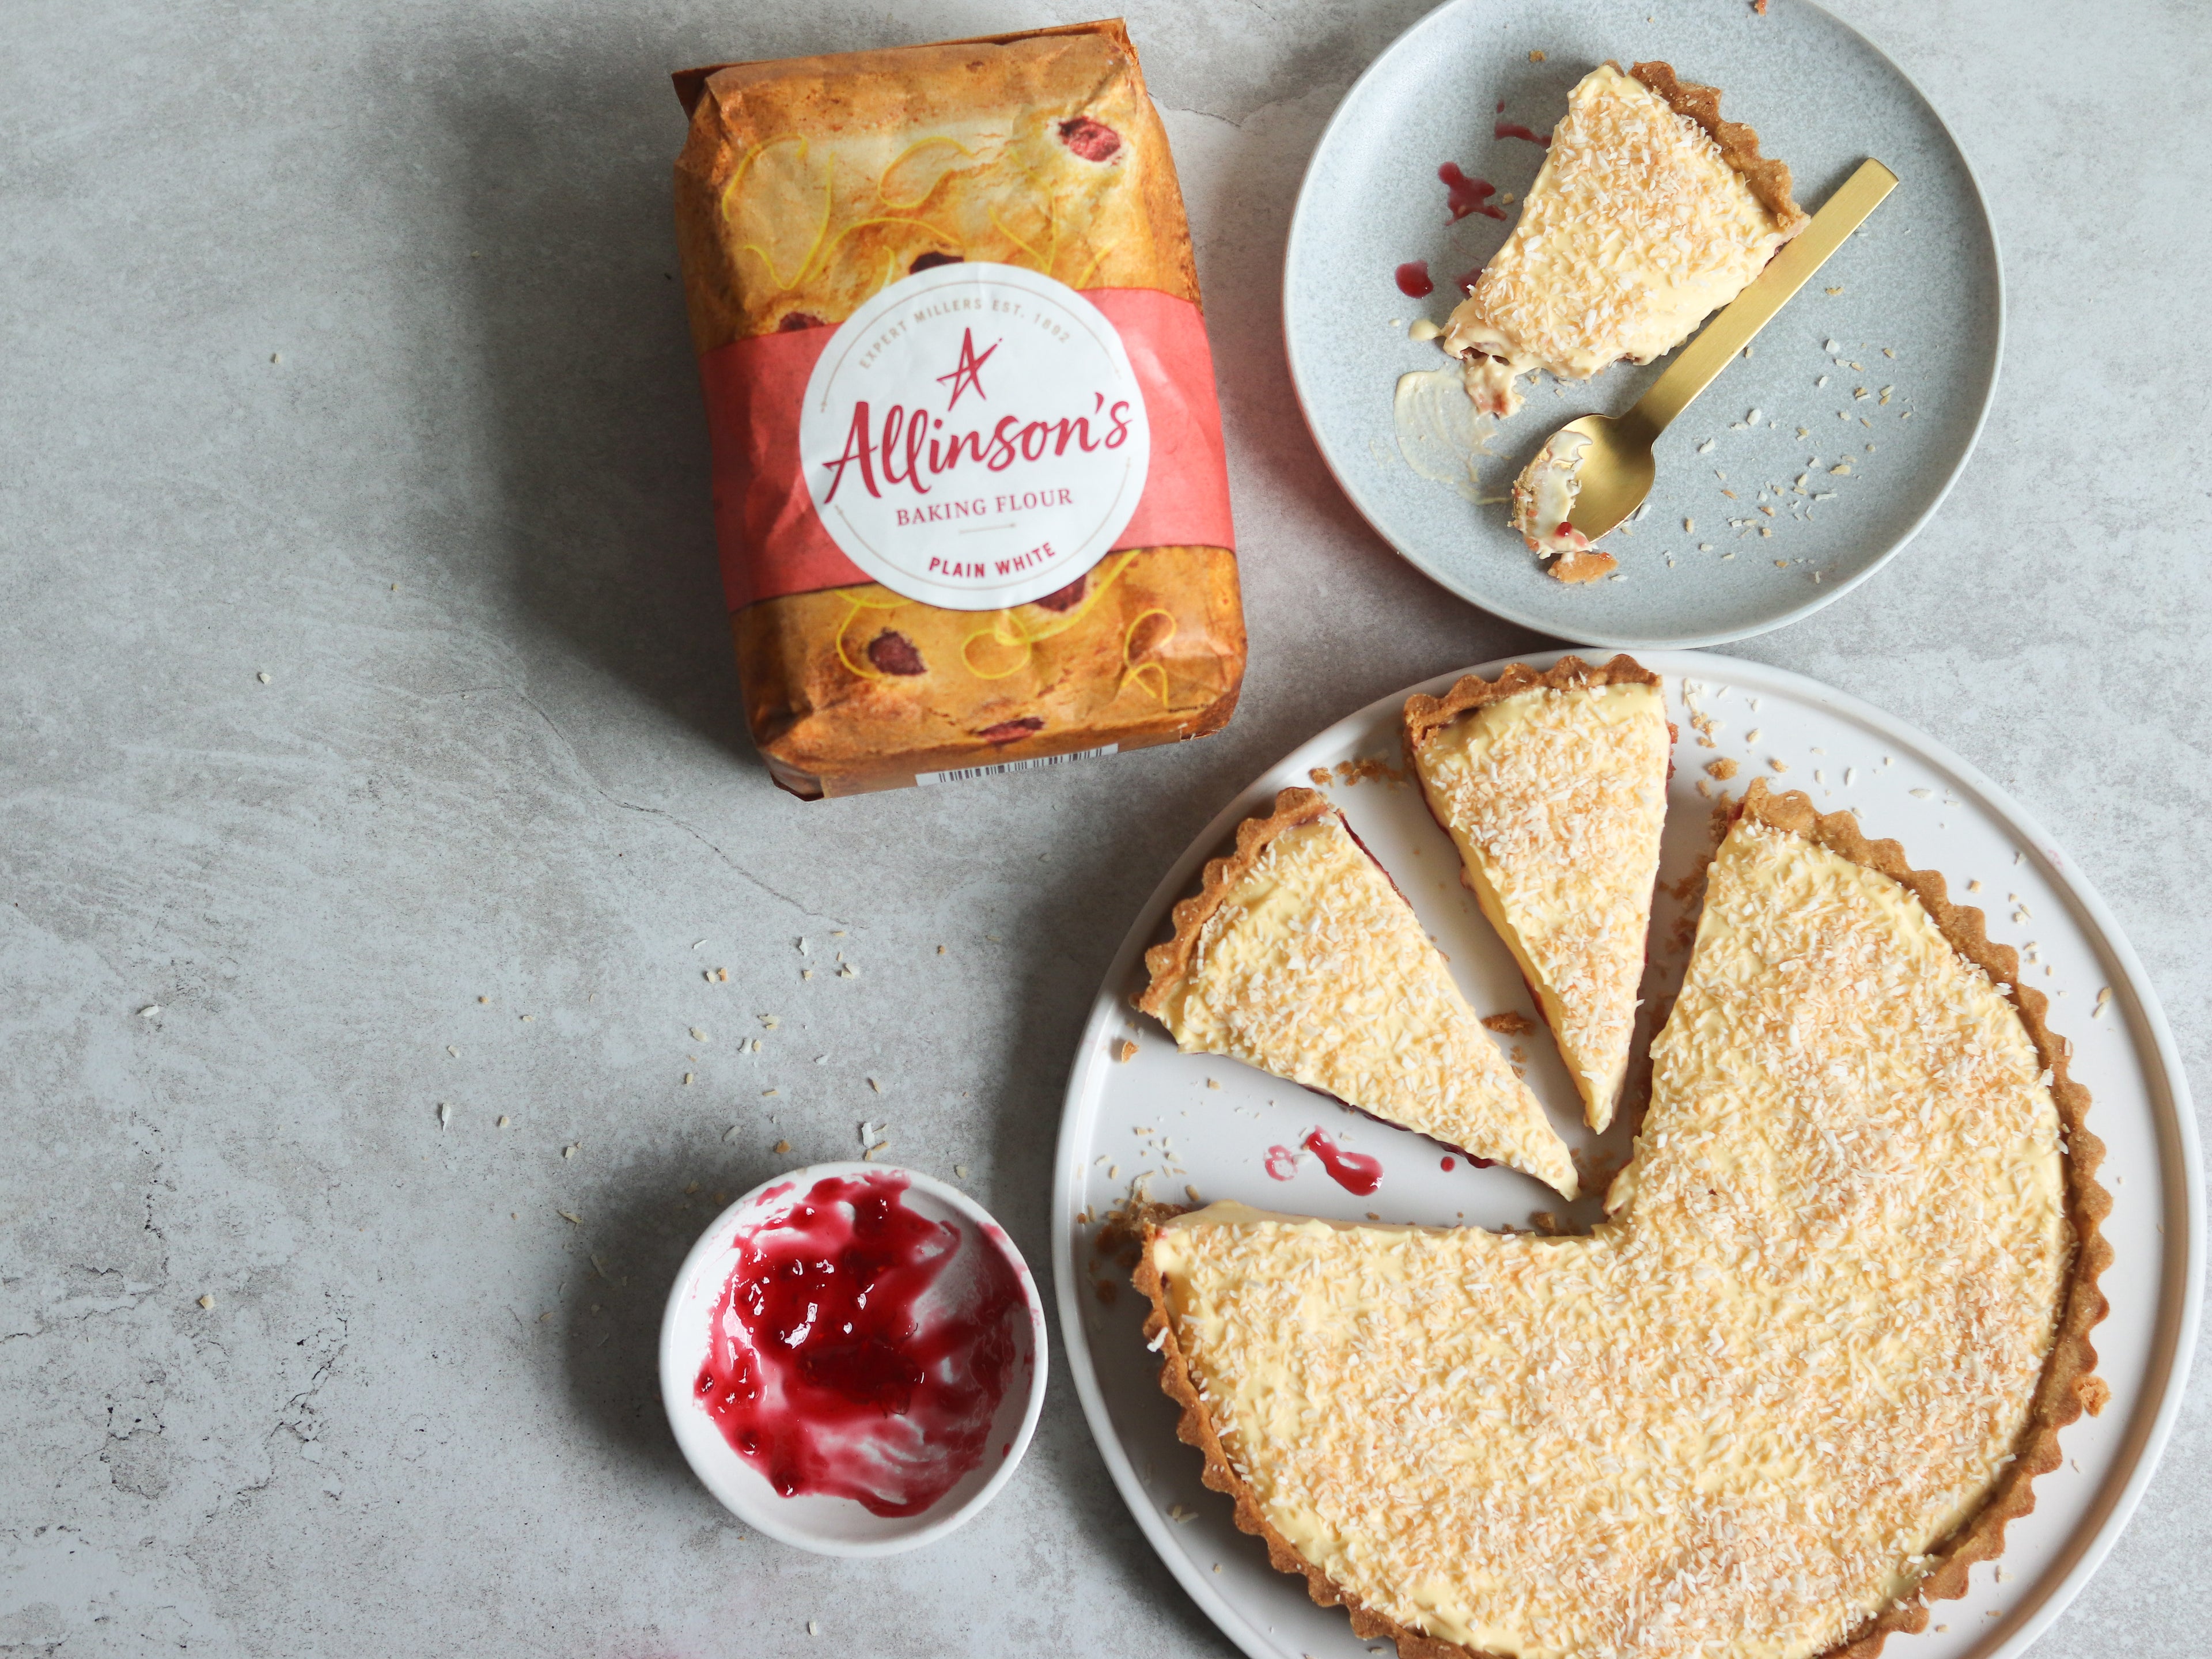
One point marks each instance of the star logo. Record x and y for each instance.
(965, 371)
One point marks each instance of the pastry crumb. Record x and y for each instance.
(1125, 1051)
(1723, 768)
(782, 1146)
(1510, 1023)
(1368, 768)
(208, 1301)
(1778, 764)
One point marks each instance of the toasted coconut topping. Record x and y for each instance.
(1648, 214)
(1793, 1386)
(1301, 957)
(1555, 795)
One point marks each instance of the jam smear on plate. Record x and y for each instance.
(1357, 1173)
(1468, 195)
(1414, 279)
(1515, 130)
(860, 1350)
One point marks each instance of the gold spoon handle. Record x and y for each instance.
(1729, 332)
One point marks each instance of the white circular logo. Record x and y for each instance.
(974, 437)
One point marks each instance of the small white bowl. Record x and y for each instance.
(838, 1526)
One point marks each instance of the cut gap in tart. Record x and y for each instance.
(1793, 1387)
(1300, 956)
(1553, 788)
(1648, 214)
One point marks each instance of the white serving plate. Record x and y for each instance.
(1948, 816)
(1921, 278)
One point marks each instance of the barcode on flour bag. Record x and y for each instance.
(963, 773)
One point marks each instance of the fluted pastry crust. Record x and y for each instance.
(2066, 1384)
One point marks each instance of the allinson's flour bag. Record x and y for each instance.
(969, 479)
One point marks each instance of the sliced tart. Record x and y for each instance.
(1648, 214)
(1791, 1388)
(1300, 956)
(1553, 788)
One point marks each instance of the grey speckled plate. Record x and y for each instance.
(1920, 280)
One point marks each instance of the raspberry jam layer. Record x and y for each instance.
(860, 1350)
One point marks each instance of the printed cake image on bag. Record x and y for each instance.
(969, 488)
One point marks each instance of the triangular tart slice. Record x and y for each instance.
(1786, 1395)
(1300, 956)
(1553, 788)
(1648, 214)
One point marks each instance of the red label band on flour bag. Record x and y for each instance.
(969, 488)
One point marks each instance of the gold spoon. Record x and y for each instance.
(1614, 468)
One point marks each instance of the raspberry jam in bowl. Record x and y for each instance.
(852, 1358)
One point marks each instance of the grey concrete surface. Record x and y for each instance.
(337, 345)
